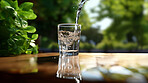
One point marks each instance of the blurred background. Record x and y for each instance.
(107, 25)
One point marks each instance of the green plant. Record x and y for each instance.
(16, 36)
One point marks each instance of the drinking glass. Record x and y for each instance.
(68, 39)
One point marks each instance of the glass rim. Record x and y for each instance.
(68, 24)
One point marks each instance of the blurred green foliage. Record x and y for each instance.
(128, 31)
(53, 12)
(105, 45)
(53, 46)
(92, 34)
(86, 46)
(129, 20)
(16, 36)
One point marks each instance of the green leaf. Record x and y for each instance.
(35, 50)
(15, 4)
(29, 51)
(20, 22)
(30, 29)
(3, 4)
(19, 40)
(32, 44)
(11, 42)
(34, 36)
(9, 11)
(26, 6)
(25, 36)
(28, 15)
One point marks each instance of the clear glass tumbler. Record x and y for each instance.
(68, 39)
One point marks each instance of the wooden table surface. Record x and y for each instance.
(95, 67)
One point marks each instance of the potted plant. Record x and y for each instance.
(16, 36)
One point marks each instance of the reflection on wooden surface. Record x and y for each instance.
(130, 68)
(69, 68)
(19, 64)
(102, 67)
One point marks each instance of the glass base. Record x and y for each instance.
(69, 76)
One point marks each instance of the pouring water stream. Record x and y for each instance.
(79, 11)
